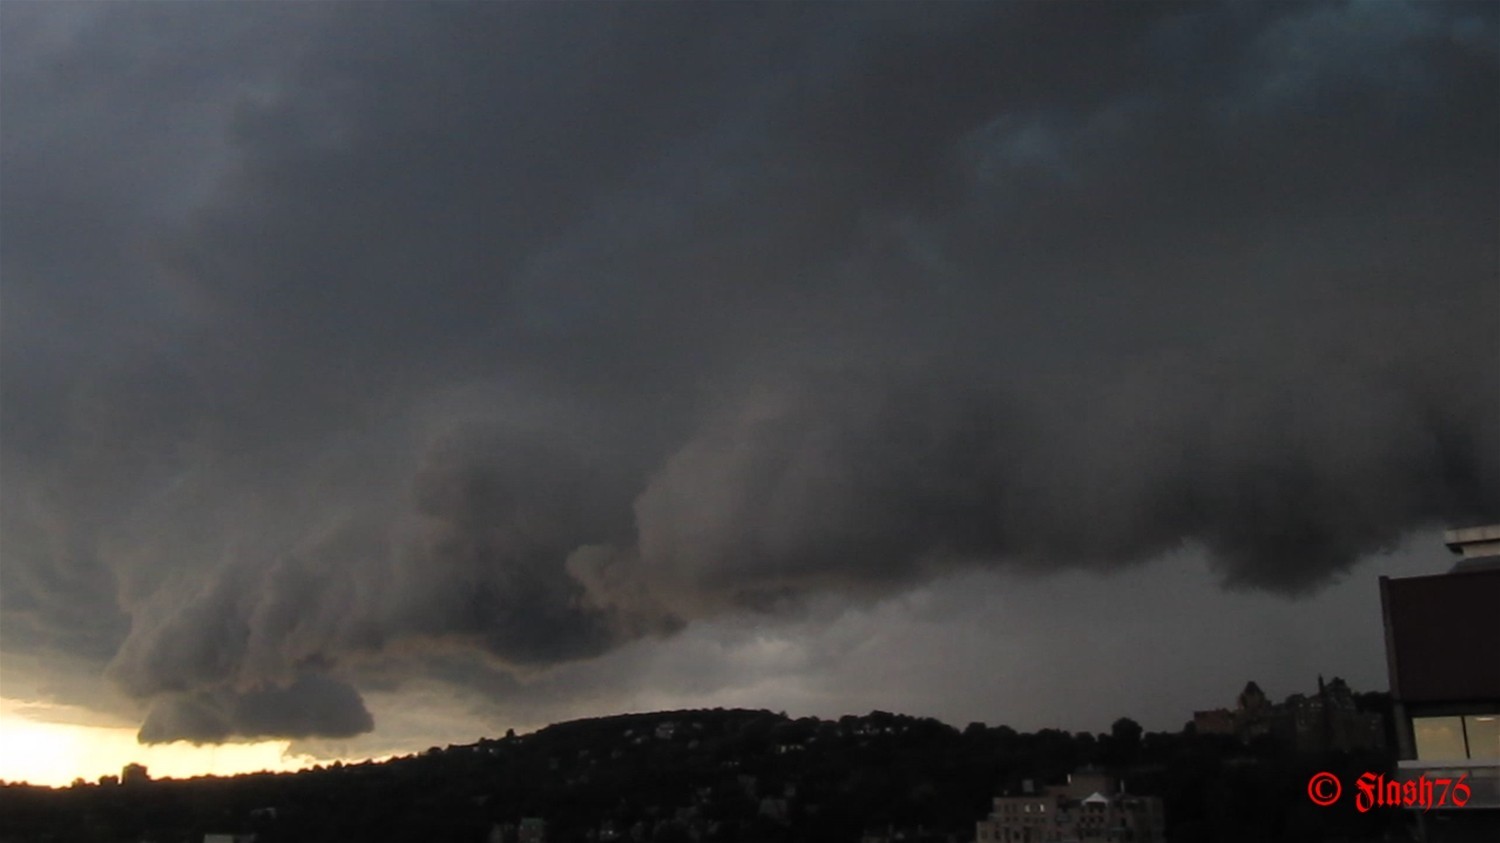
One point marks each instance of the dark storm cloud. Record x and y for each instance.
(310, 705)
(336, 336)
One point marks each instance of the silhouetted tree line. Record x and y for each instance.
(721, 775)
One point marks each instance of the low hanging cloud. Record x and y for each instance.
(361, 334)
(311, 705)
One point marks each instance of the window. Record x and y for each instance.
(1483, 731)
(1439, 738)
(1457, 737)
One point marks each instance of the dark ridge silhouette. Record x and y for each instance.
(721, 775)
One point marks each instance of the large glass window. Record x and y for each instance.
(1439, 738)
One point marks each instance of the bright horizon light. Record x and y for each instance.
(55, 754)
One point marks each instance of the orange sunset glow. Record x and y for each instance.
(37, 750)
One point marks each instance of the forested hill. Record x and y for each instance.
(720, 775)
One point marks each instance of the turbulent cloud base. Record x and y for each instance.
(345, 343)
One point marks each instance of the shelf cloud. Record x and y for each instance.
(336, 338)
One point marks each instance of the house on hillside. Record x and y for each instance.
(1090, 807)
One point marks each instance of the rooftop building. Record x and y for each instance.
(1442, 642)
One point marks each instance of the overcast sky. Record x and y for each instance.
(376, 375)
